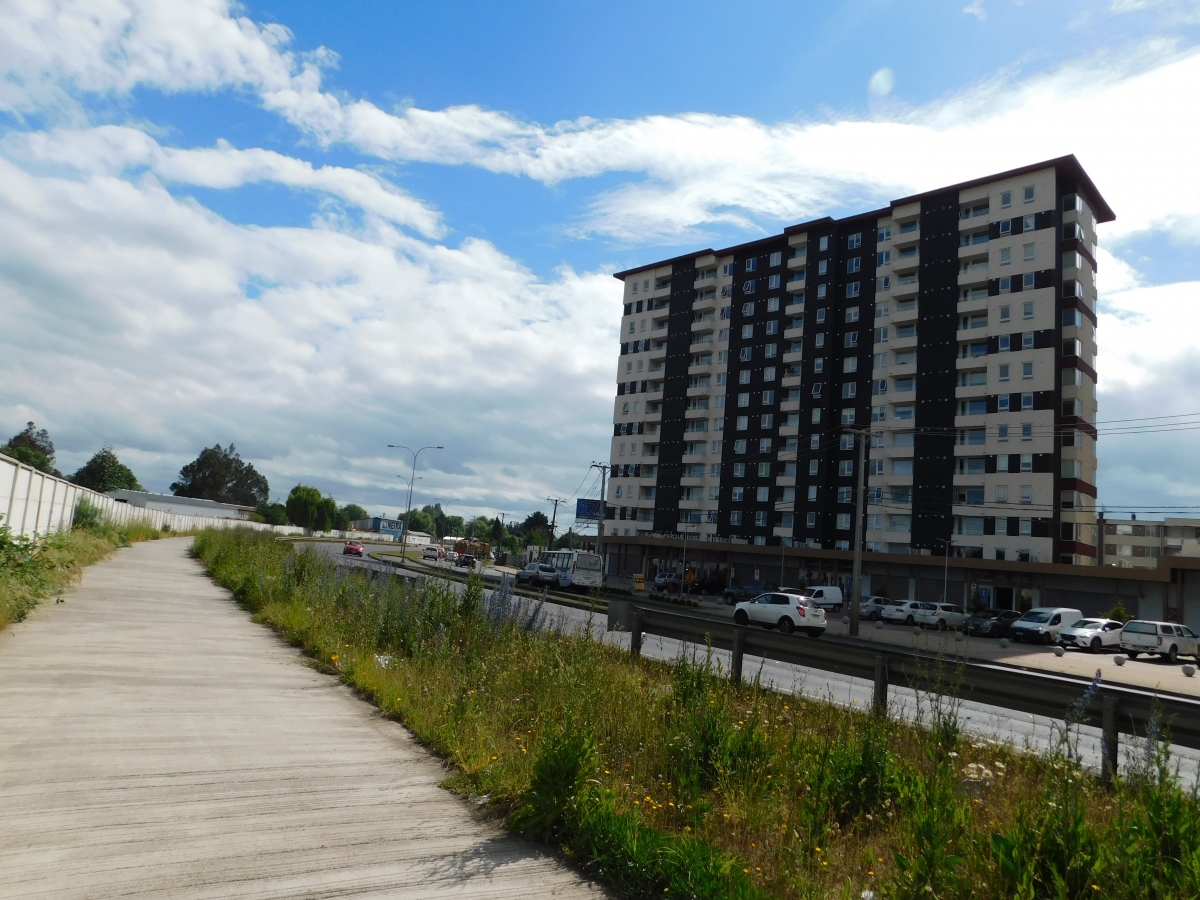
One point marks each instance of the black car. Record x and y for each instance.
(747, 590)
(991, 622)
(465, 561)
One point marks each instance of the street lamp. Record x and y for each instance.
(408, 512)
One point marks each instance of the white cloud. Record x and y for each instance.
(124, 317)
(976, 8)
(114, 150)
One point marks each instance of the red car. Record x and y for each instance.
(352, 548)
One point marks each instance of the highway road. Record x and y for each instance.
(1035, 734)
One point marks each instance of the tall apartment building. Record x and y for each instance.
(959, 325)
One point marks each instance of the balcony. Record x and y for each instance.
(706, 301)
(798, 262)
(904, 311)
(659, 352)
(905, 286)
(906, 234)
(906, 260)
(796, 285)
(662, 290)
(793, 357)
(973, 271)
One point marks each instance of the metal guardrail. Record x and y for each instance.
(1114, 708)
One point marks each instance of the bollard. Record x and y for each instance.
(635, 634)
(735, 666)
(879, 701)
(1108, 739)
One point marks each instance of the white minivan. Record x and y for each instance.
(823, 596)
(1043, 623)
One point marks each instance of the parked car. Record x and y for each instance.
(941, 616)
(669, 583)
(1168, 640)
(546, 575)
(467, 561)
(1043, 623)
(430, 553)
(1092, 634)
(787, 612)
(352, 548)
(747, 590)
(870, 608)
(994, 623)
(527, 574)
(905, 613)
(824, 596)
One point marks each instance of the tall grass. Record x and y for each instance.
(669, 780)
(34, 570)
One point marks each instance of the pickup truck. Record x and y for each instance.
(1164, 638)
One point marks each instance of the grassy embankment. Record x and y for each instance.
(666, 780)
(32, 571)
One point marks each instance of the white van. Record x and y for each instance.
(1043, 623)
(824, 596)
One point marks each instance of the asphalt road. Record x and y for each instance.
(1034, 734)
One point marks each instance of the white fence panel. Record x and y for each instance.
(33, 503)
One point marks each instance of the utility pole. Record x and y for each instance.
(603, 512)
(553, 518)
(863, 435)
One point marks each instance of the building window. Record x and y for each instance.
(1006, 226)
(735, 517)
(1029, 251)
(743, 399)
(1027, 281)
(743, 422)
(883, 257)
(818, 365)
(821, 316)
(739, 470)
(878, 413)
(883, 283)
(853, 289)
(764, 445)
(812, 466)
(1005, 313)
(748, 309)
(1028, 223)
(1002, 403)
(1026, 462)
(811, 519)
(763, 494)
(850, 339)
(854, 264)
(769, 373)
(747, 332)
(854, 241)
(773, 283)
(1002, 433)
(1004, 343)
(876, 467)
(744, 376)
(884, 233)
(1029, 194)
(812, 492)
(770, 351)
(752, 265)
(764, 470)
(1005, 285)
(1027, 401)
(760, 521)
(1027, 311)
(823, 267)
(848, 416)
(1027, 341)
(773, 325)
(816, 416)
(1003, 372)
(748, 286)
(744, 354)
(849, 390)
(776, 258)
(824, 245)
(814, 442)
(767, 421)
(850, 365)
(845, 468)
(1005, 256)
(739, 446)
(843, 521)
(845, 495)
(1026, 370)
(816, 389)
(821, 289)
(1027, 431)
(1005, 199)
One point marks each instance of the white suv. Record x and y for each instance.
(788, 612)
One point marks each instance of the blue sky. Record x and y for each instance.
(315, 229)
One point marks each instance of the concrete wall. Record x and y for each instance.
(33, 503)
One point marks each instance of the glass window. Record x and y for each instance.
(1029, 250)
(1005, 313)
(1027, 310)
(854, 241)
(1005, 256)
(1005, 199)
(751, 265)
(776, 258)
(1026, 370)
(1029, 194)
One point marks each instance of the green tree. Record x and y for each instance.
(34, 448)
(221, 475)
(273, 513)
(302, 505)
(419, 520)
(104, 472)
(351, 512)
(326, 515)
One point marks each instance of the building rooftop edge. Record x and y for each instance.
(1104, 212)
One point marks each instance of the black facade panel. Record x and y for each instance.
(674, 402)
(937, 331)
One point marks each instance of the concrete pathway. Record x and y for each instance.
(154, 742)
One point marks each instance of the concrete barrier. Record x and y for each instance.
(33, 503)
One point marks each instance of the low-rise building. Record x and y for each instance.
(181, 506)
(1133, 544)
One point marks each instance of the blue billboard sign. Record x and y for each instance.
(589, 509)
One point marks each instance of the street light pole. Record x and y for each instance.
(408, 511)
